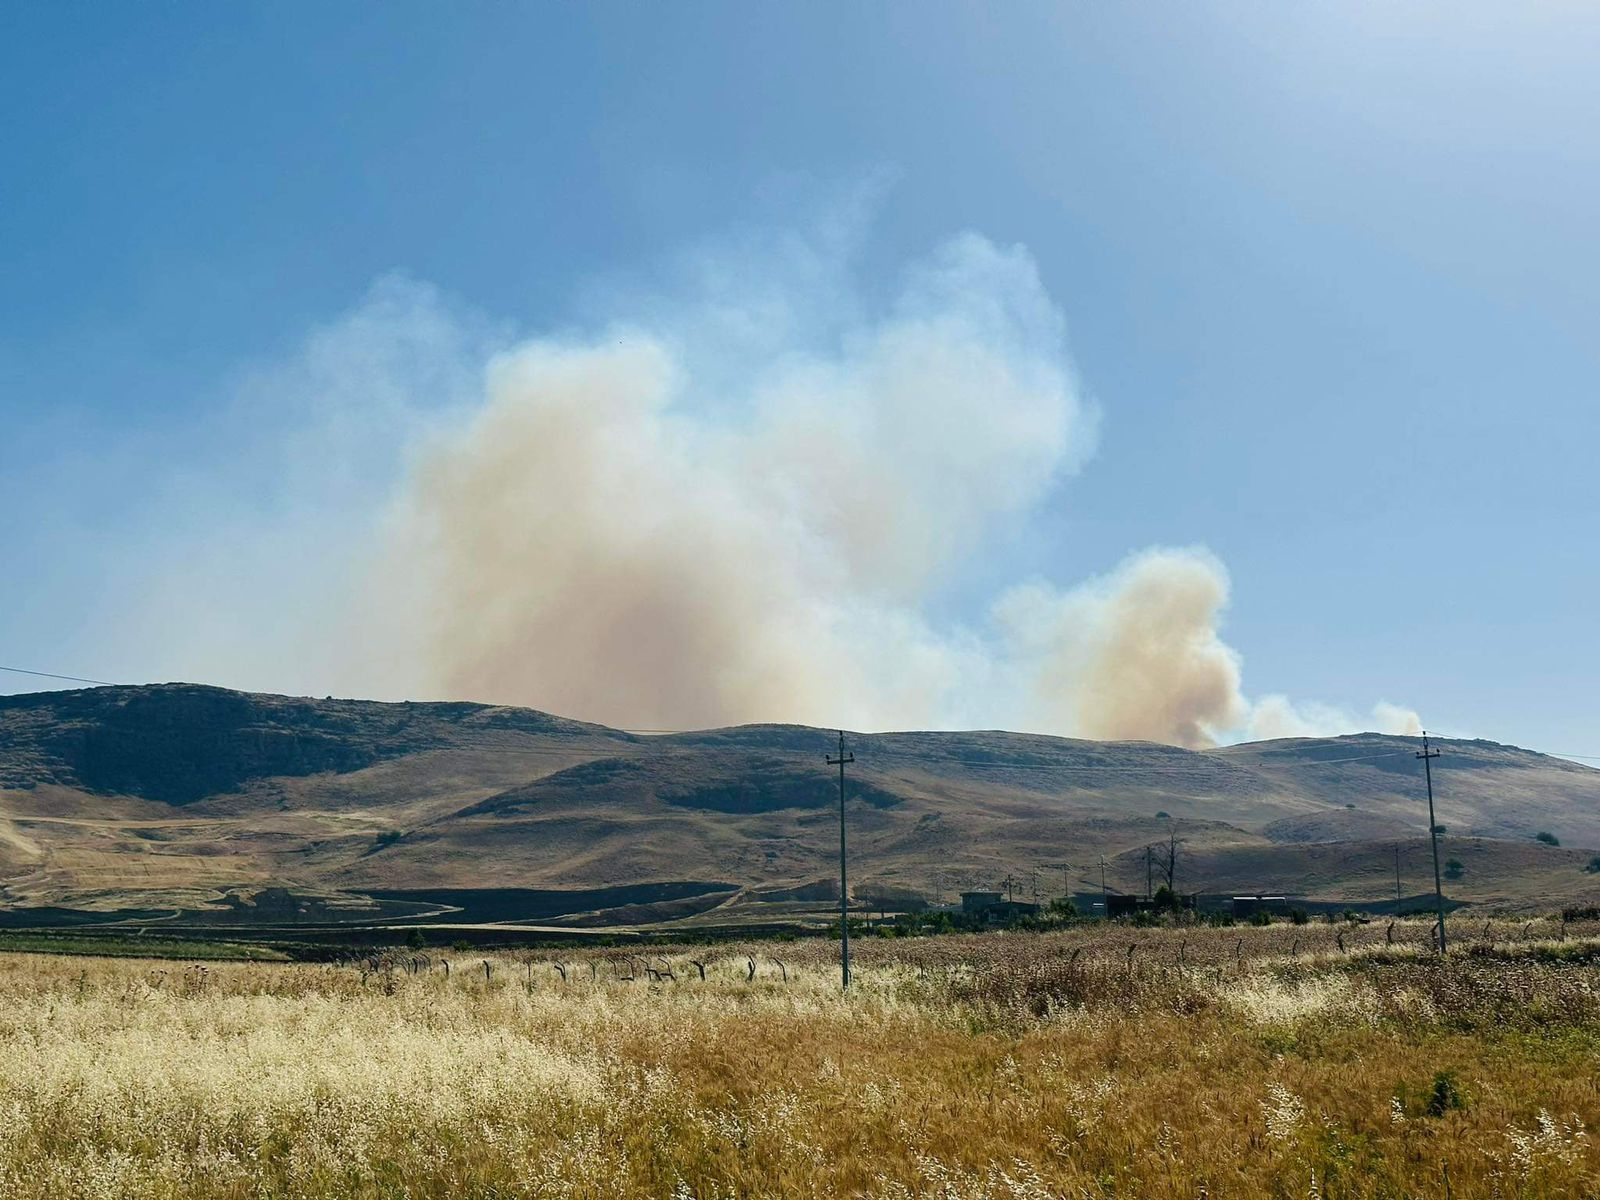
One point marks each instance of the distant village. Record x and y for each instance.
(985, 908)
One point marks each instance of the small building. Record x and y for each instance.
(1117, 905)
(975, 903)
(1127, 906)
(993, 906)
(1245, 907)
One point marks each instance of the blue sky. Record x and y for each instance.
(1328, 273)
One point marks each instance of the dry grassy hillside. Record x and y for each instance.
(176, 792)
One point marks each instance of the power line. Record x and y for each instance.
(52, 675)
(964, 762)
(972, 762)
(1324, 762)
(1184, 767)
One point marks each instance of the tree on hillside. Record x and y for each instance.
(1167, 862)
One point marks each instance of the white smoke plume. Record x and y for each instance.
(679, 521)
(1278, 717)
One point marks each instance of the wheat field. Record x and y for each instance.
(1097, 1062)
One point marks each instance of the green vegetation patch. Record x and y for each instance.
(137, 947)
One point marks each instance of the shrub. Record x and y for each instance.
(1298, 916)
(1594, 865)
(1548, 838)
(1446, 1094)
(1261, 917)
(1454, 869)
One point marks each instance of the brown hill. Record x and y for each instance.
(174, 794)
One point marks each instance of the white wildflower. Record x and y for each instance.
(1283, 1110)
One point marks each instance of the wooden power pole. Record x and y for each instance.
(1427, 756)
(844, 882)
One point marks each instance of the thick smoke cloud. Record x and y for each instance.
(692, 518)
(1135, 655)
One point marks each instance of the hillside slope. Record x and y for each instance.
(176, 793)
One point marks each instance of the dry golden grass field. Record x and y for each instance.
(1094, 1062)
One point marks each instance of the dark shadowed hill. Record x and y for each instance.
(179, 743)
(176, 793)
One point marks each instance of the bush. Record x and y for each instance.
(1594, 865)
(1261, 917)
(1446, 1094)
(1298, 916)
(1454, 869)
(1548, 838)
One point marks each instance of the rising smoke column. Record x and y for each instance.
(1135, 655)
(643, 527)
(599, 540)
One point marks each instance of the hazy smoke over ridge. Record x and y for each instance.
(647, 528)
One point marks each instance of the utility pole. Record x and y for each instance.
(844, 882)
(1105, 899)
(1149, 873)
(1427, 756)
(1066, 879)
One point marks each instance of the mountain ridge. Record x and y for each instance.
(188, 790)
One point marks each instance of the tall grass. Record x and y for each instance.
(997, 1066)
